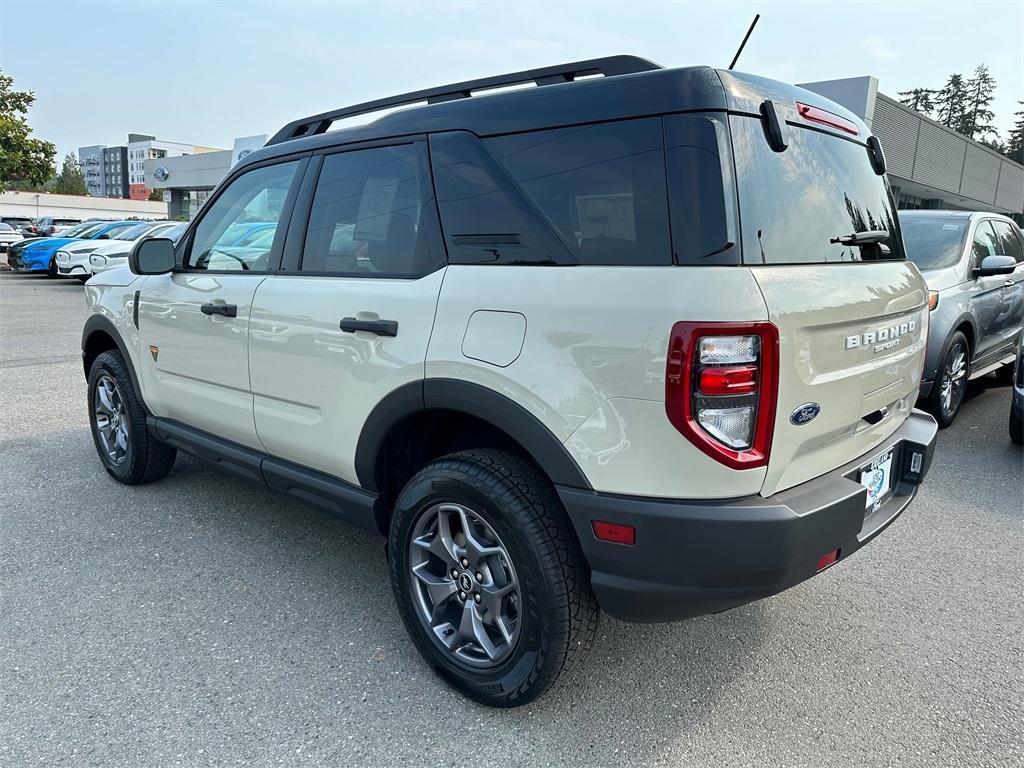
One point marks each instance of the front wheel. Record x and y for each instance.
(489, 577)
(950, 385)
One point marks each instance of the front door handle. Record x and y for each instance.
(379, 327)
(227, 310)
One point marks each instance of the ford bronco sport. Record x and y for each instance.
(646, 342)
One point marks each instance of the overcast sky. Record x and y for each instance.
(207, 72)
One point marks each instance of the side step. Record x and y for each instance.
(1008, 360)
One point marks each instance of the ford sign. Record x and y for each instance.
(161, 173)
(805, 413)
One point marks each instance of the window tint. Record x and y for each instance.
(113, 231)
(601, 186)
(933, 242)
(1009, 244)
(484, 216)
(367, 215)
(255, 200)
(800, 206)
(985, 243)
(701, 191)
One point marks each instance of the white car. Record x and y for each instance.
(8, 236)
(73, 258)
(115, 254)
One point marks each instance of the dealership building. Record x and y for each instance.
(930, 165)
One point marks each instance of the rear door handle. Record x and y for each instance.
(379, 327)
(227, 310)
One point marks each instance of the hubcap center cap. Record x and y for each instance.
(465, 582)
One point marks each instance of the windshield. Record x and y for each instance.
(933, 242)
(6, 227)
(85, 230)
(806, 204)
(111, 231)
(131, 233)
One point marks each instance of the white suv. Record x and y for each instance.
(646, 341)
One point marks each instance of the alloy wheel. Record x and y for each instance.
(465, 586)
(111, 419)
(954, 378)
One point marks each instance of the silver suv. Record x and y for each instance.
(646, 342)
(973, 264)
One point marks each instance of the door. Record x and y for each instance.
(349, 320)
(1008, 237)
(987, 296)
(194, 322)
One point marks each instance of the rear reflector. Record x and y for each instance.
(614, 532)
(818, 115)
(826, 560)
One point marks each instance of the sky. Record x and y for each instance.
(207, 72)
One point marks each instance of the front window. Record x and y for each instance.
(933, 242)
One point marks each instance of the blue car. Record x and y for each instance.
(38, 255)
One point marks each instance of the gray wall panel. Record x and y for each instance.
(896, 129)
(981, 171)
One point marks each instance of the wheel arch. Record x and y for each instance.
(100, 335)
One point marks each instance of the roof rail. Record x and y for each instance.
(561, 73)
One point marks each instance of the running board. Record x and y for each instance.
(992, 367)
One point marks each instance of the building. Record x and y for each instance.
(930, 165)
(120, 171)
(188, 179)
(36, 204)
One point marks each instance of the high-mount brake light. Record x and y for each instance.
(818, 115)
(721, 387)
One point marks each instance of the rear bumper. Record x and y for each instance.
(693, 558)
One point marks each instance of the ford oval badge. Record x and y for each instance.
(805, 413)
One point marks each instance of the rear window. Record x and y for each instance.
(602, 187)
(933, 242)
(802, 205)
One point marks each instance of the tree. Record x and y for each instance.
(22, 158)
(156, 194)
(921, 99)
(70, 180)
(1015, 139)
(951, 102)
(976, 119)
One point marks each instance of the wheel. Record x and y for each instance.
(950, 385)
(1004, 375)
(52, 269)
(126, 449)
(489, 577)
(83, 278)
(1016, 428)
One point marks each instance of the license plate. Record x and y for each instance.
(876, 476)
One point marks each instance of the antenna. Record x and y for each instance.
(745, 38)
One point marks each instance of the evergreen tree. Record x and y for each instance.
(1015, 139)
(976, 119)
(951, 102)
(921, 99)
(70, 180)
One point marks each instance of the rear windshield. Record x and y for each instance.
(802, 205)
(933, 242)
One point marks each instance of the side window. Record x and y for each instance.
(984, 243)
(485, 218)
(601, 186)
(1009, 243)
(367, 215)
(252, 203)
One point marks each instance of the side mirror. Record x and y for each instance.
(152, 256)
(996, 265)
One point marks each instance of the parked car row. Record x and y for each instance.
(44, 226)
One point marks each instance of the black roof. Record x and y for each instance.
(631, 87)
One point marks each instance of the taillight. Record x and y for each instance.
(823, 116)
(721, 385)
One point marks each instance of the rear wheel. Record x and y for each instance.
(950, 385)
(118, 421)
(489, 577)
(1016, 427)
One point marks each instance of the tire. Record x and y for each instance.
(51, 271)
(115, 411)
(942, 408)
(1004, 375)
(544, 624)
(1016, 428)
(82, 278)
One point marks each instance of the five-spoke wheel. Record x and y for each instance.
(111, 419)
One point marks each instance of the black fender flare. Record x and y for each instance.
(99, 324)
(474, 400)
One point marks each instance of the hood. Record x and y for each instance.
(118, 276)
(81, 246)
(113, 248)
(49, 243)
(941, 279)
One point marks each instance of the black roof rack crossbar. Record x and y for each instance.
(561, 73)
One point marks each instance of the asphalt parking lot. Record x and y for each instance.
(203, 620)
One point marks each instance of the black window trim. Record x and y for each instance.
(295, 244)
(184, 248)
(1014, 230)
(975, 264)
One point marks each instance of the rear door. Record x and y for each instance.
(987, 295)
(851, 313)
(349, 317)
(194, 322)
(1009, 240)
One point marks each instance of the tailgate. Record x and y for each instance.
(851, 340)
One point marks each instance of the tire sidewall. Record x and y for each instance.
(943, 418)
(107, 363)
(496, 686)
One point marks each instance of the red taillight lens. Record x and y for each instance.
(614, 532)
(823, 116)
(721, 385)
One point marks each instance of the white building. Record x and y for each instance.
(142, 148)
